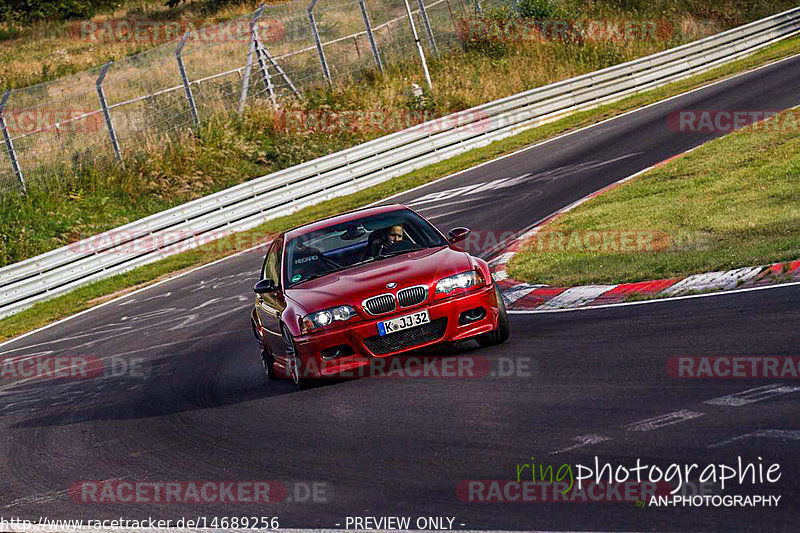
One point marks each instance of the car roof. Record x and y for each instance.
(338, 219)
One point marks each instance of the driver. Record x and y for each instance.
(394, 234)
(394, 241)
(384, 240)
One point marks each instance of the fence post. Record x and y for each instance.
(428, 29)
(419, 46)
(317, 41)
(264, 68)
(10, 145)
(248, 68)
(367, 24)
(106, 113)
(187, 89)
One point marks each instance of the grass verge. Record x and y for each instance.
(731, 203)
(87, 296)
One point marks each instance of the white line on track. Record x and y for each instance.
(439, 206)
(658, 422)
(583, 441)
(753, 395)
(783, 434)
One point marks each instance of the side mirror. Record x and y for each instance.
(264, 286)
(457, 235)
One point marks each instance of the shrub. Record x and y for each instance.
(539, 9)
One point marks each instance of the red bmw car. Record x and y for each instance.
(340, 292)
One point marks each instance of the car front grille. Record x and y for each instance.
(412, 295)
(378, 305)
(407, 338)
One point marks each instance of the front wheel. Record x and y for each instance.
(503, 330)
(293, 361)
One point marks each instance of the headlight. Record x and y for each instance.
(326, 317)
(463, 280)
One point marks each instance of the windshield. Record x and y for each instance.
(342, 246)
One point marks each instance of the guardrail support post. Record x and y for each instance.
(419, 46)
(187, 89)
(10, 145)
(318, 42)
(368, 25)
(106, 113)
(428, 29)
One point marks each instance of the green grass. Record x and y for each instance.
(731, 203)
(85, 297)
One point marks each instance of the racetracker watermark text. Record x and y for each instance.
(161, 31)
(618, 241)
(728, 120)
(378, 121)
(529, 30)
(122, 242)
(553, 241)
(59, 121)
(70, 367)
(198, 492)
(733, 367)
(499, 491)
(426, 367)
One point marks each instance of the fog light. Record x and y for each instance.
(472, 315)
(342, 350)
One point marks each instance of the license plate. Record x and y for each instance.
(403, 322)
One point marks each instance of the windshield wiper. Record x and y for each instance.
(399, 252)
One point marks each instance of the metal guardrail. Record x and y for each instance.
(249, 204)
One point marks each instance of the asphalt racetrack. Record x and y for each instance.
(182, 395)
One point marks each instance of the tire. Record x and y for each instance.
(503, 330)
(268, 362)
(293, 362)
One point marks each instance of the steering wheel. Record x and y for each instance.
(309, 251)
(330, 262)
(399, 246)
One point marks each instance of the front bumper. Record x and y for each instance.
(361, 338)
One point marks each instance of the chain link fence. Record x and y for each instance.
(107, 115)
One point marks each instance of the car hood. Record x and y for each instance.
(352, 286)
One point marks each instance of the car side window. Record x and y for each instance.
(272, 262)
